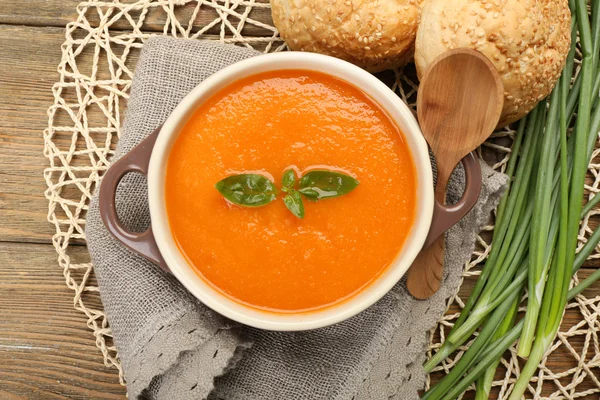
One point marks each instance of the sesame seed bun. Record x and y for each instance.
(373, 34)
(527, 41)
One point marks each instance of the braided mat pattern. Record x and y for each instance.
(98, 57)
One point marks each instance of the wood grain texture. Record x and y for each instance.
(46, 349)
(58, 13)
(424, 276)
(27, 73)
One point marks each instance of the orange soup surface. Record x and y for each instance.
(265, 257)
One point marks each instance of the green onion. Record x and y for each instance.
(469, 358)
(555, 299)
(483, 385)
(540, 228)
(543, 203)
(490, 357)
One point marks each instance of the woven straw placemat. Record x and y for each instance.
(98, 59)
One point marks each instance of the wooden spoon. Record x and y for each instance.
(459, 104)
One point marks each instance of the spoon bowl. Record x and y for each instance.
(459, 104)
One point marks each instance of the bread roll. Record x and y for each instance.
(373, 34)
(527, 40)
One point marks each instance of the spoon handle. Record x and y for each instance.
(425, 274)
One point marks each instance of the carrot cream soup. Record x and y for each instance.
(267, 257)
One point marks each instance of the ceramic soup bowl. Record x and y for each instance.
(158, 245)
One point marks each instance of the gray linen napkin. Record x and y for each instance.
(173, 347)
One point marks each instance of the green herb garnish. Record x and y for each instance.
(293, 202)
(248, 190)
(254, 190)
(321, 184)
(288, 180)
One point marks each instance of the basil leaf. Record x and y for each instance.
(293, 202)
(322, 184)
(310, 193)
(289, 179)
(248, 190)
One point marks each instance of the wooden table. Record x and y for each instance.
(46, 350)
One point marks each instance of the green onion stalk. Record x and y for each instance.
(540, 227)
(508, 335)
(554, 300)
(470, 357)
(484, 383)
(506, 205)
(511, 252)
(538, 270)
(481, 360)
(556, 165)
(509, 214)
(483, 386)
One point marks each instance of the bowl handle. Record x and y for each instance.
(136, 160)
(445, 216)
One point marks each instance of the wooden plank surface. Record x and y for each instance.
(27, 72)
(58, 13)
(46, 350)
